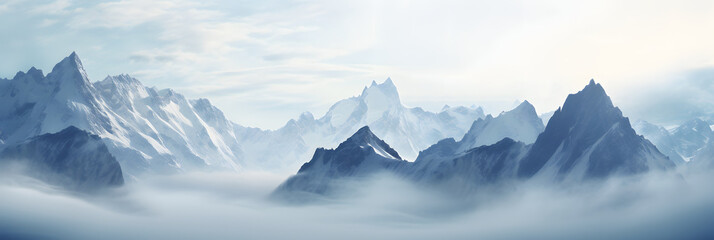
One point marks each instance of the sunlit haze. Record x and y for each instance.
(265, 62)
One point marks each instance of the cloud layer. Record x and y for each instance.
(222, 205)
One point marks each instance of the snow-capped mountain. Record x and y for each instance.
(682, 144)
(691, 136)
(360, 155)
(164, 126)
(409, 130)
(145, 129)
(34, 104)
(520, 124)
(150, 130)
(661, 138)
(589, 138)
(704, 159)
(71, 158)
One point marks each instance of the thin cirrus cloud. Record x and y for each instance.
(266, 62)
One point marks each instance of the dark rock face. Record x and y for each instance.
(71, 158)
(480, 165)
(359, 156)
(590, 130)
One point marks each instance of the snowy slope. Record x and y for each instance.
(145, 129)
(165, 125)
(704, 159)
(661, 138)
(691, 136)
(71, 158)
(33, 104)
(683, 144)
(408, 130)
(520, 124)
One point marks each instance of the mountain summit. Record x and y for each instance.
(364, 138)
(360, 155)
(589, 138)
(521, 124)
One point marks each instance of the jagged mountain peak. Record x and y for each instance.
(365, 138)
(521, 123)
(593, 95)
(372, 104)
(525, 104)
(589, 138)
(33, 73)
(70, 62)
(201, 103)
(590, 106)
(359, 155)
(389, 82)
(171, 95)
(364, 133)
(386, 88)
(306, 116)
(523, 108)
(70, 69)
(122, 84)
(124, 79)
(146, 129)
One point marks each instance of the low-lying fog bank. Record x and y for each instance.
(230, 206)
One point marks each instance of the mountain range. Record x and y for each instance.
(152, 131)
(149, 131)
(687, 143)
(587, 139)
(410, 130)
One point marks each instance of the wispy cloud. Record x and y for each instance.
(448, 52)
(54, 7)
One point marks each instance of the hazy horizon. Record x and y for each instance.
(264, 63)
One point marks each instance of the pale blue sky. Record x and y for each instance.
(264, 62)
